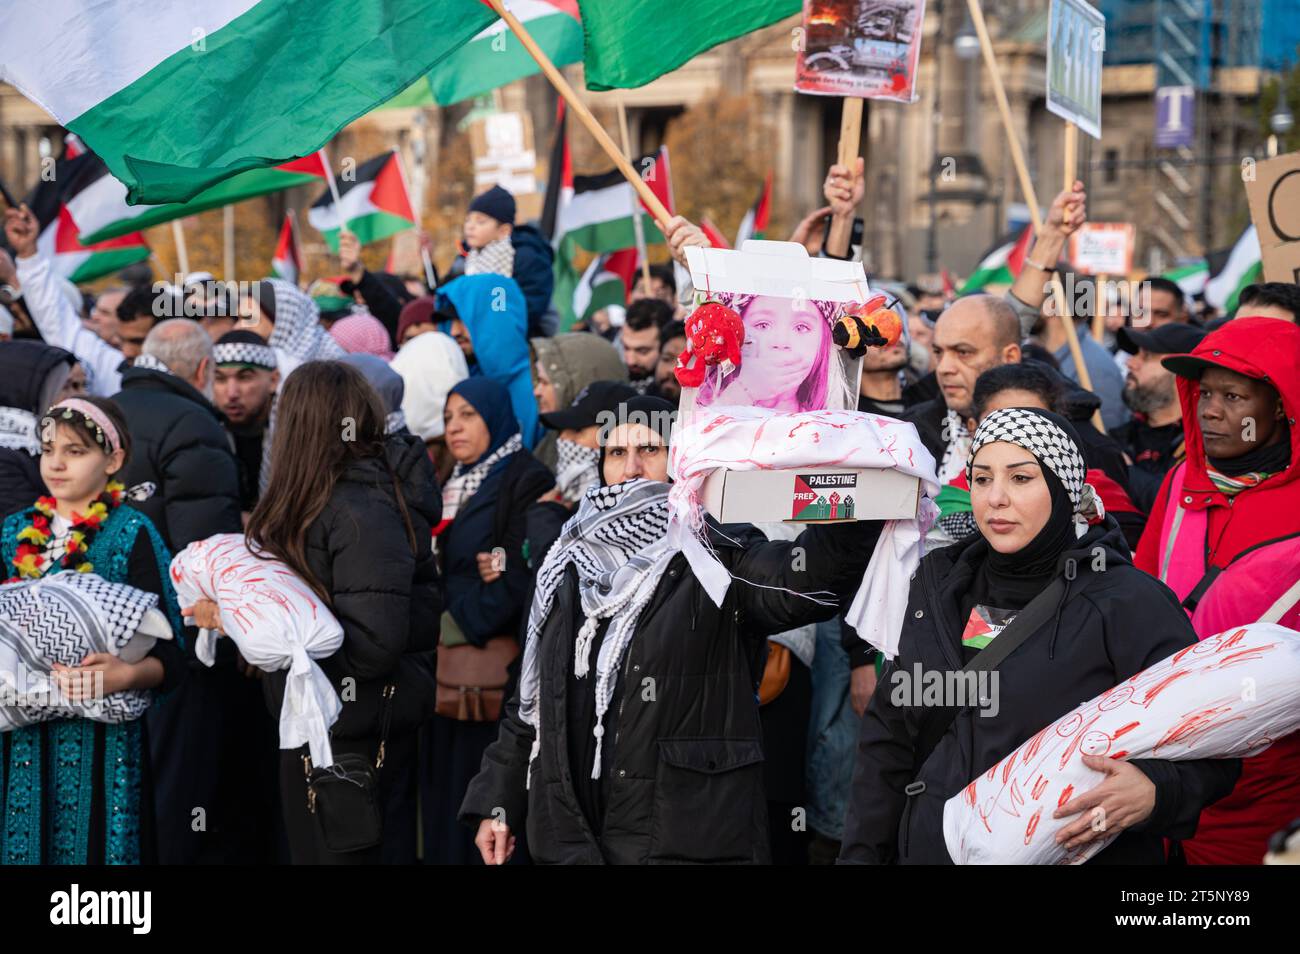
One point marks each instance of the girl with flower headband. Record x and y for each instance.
(72, 790)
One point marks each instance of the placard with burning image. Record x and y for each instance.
(867, 48)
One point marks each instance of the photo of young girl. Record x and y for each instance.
(788, 362)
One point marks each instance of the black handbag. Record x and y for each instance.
(344, 798)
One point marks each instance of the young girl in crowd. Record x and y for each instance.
(74, 789)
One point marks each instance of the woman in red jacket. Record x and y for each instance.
(1239, 489)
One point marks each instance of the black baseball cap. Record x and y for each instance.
(586, 407)
(1172, 338)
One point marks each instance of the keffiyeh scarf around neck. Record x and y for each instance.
(18, 430)
(618, 542)
(957, 447)
(465, 481)
(577, 469)
(496, 258)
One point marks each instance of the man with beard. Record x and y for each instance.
(639, 340)
(975, 333)
(1153, 439)
(244, 387)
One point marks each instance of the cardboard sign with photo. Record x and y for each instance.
(788, 304)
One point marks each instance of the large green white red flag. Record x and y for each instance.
(176, 96)
(113, 217)
(495, 56)
(76, 191)
(375, 203)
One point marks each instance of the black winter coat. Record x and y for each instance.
(385, 596)
(1110, 625)
(24, 368)
(496, 516)
(178, 444)
(682, 768)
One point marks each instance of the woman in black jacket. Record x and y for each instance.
(1111, 621)
(634, 737)
(350, 512)
(486, 580)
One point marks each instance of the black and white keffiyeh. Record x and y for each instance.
(957, 447)
(618, 542)
(1041, 436)
(496, 258)
(577, 469)
(61, 619)
(465, 481)
(18, 430)
(298, 331)
(244, 353)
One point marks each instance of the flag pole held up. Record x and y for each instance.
(636, 217)
(837, 243)
(657, 208)
(1027, 188)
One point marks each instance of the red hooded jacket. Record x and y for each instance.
(1264, 348)
(1235, 830)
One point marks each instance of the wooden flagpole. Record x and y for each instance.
(636, 213)
(1027, 188)
(841, 234)
(657, 208)
(182, 256)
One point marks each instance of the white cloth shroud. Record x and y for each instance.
(277, 622)
(1228, 696)
(62, 618)
(755, 438)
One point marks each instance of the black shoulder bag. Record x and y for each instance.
(344, 798)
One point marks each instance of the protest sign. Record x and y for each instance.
(1274, 198)
(504, 155)
(1076, 43)
(865, 48)
(1103, 248)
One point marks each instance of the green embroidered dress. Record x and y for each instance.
(71, 789)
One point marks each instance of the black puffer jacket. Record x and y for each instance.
(682, 768)
(1110, 624)
(178, 444)
(24, 368)
(386, 597)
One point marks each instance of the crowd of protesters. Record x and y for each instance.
(498, 558)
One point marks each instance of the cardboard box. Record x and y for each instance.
(811, 495)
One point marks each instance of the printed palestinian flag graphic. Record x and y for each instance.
(495, 56)
(176, 97)
(984, 624)
(823, 496)
(375, 203)
(80, 187)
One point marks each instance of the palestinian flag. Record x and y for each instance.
(178, 96)
(754, 224)
(495, 56)
(117, 218)
(286, 263)
(1244, 267)
(606, 281)
(631, 42)
(376, 203)
(80, 187)
(1000, 266)
(595, 213)
(1190, 278)
(713, 234)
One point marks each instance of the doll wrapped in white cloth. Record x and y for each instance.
(277, 622)
(61, 619)
(1228, 696)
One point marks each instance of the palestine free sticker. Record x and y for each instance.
(823, 496)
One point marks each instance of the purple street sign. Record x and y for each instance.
(1175, 116)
